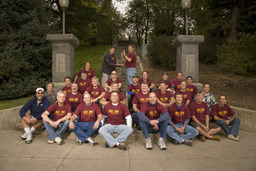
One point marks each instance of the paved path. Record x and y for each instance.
(210, 155)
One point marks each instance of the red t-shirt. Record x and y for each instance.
(149, 81)
(74, 100)
(66, 89)
(179, 115)
(131, 64)
(95, 92)
(59, 112)
(120, 95)
(88, 113)
(83, 84)
(116, 114)
(165, 98)
(168, 84)
(199, 110)
(112, 61)
(192, 90)
(222, 112)
(140, 98)
(186, 96)
(134, 88)
(176, 83)
(91, 73)
(109, 81)
(152, 112)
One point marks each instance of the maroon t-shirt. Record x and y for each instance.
(66, 89)
(176, 83)
(83, 84)
(116, 114)
(199, 110)
(74, 100)
(168, 84)
(88, 113)
(222, 112)
(109, 81)
(112, 61)
(149, 81)
(59, 112)
(91, 73)
(131, 64)
(95, 92)
(152, 112)
(192, 90)
(120, 95)
(165, 98)
(179, 115)
(134, 88)
(186, 96)
(140, 98)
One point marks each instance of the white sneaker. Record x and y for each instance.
(23, 136)
(91, 141)
(149, 144)
(29, 138)
(51, 141)
(161, 144)
(58, 140)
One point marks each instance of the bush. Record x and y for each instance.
(238, 56)
(161, 51)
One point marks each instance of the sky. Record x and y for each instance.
(121, 5)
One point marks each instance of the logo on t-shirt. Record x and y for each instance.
(164, 99)
(185, 96)
(144, 100)
(73, 99)
(178, 86)
(60, 113)
(113, 112)
(95, 93)
(181, 113)
(200, 110)
(152, 113)
(88, 112)
(82, 84)
(222, 113)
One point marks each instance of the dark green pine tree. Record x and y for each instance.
(25, 55)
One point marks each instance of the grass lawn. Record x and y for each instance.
(93, 54)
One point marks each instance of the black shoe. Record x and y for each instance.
(187, 142)
(106, 145)
(175, 142)
(138, 127)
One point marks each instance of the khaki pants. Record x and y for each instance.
(104, 78)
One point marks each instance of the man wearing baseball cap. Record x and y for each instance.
(33, 121)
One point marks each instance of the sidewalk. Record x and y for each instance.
(225, 155)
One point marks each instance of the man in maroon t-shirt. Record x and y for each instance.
(90, 73)
(133, 89)
(201, 120)
(130, 62)
(89, 122)
(153, 119)
(146, 79)
(67, 87)
(168, 84)
(116, 114)
(185, 95)
(176, 83)
(106, 99)
(112, 79)
(226, 118)
(61, 113)
(190, 87)
(138, 100)
(84, 82)
(178, 128)
(165, 98)
(74, 98)
(95, 90)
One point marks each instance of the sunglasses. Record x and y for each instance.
(39, 93)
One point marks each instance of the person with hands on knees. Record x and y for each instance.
(59, 124)
(178, 128)
(90, 120)
(153, 119)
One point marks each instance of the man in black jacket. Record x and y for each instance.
(109, 65)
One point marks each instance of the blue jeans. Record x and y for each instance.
(148, 128)
(231, 128)
(107, 130)
(55, 132)
(190, 132)
(83, 130)
(135, 118)
(130, 73)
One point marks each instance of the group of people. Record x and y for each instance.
(176, 109)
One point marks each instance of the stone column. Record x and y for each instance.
(63, 51)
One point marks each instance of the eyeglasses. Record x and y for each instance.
(39, 93)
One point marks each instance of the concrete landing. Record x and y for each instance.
(226, 155)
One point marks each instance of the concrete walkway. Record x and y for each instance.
(210, 155)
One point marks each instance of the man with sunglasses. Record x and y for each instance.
(33, 121)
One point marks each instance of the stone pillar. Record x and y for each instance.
(63, 51)
(187, 60)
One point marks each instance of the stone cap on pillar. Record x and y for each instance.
(62, 38)
(187, 39)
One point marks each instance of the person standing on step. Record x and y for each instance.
(130, 62)
(33, 121)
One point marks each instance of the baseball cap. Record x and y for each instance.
(164, 73)
(39, 89)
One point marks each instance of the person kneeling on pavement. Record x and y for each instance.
(61, 113)
(178, 128)
(153, 119)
